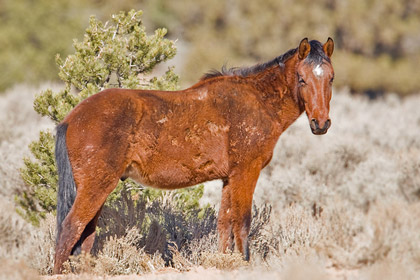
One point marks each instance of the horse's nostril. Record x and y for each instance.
(315, 123)
(327, 124)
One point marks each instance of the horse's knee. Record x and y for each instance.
(224, 229)
(224, 222)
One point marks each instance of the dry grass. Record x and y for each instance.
(119, 256)
(229, 261)
(12, 270)
(345, 205)
(19, 125)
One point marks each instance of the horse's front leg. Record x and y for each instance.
(241, 186)
(224, 222)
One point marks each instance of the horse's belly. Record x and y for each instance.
(173, 174)
(180, 165)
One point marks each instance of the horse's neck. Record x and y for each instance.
(289, 110)
(279, 96)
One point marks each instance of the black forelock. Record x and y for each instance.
(317, 54)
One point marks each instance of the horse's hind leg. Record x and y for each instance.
(88, 235)
(87, 239)
(83, 213)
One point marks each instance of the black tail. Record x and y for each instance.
(66, 186)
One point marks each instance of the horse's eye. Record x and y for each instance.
(332, 80)
(301, 80)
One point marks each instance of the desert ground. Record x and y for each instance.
(345, 205)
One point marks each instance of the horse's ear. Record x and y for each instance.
(304, 49)
(329, 47)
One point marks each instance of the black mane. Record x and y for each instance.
(316, 55)
(247, 71)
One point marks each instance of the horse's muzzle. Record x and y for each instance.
(318, 130)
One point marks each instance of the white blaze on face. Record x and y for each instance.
(318, 71)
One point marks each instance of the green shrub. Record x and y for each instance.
(116, 54)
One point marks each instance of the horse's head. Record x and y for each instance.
(315, 76)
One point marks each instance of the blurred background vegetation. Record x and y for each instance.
(377, 41)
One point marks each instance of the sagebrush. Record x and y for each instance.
(344, 205)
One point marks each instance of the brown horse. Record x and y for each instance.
(224, 127)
